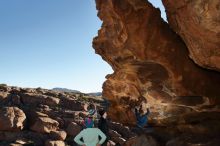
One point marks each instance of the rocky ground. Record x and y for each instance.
(45, 117)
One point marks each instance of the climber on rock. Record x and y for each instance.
(141, 117)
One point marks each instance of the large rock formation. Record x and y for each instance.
(198, 23)
(149, 61)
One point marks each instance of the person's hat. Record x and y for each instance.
(92, 112)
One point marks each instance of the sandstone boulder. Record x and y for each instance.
(197, 23)
(36, 99)
(58, 135)
(190, 140)
(11, 119)
(52, 93)
(15, 90)
(43, 124)
(54, 143)
(119, 140)
(113, 133)
(31, 138)
(189, 100)
(70, 103)
(73, 129)
(3, 97)
(4, 88)
(142, 140)
(15, 99)
(124, 131)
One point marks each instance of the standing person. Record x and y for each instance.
(91, 110)
(103, 126)
(90, 136)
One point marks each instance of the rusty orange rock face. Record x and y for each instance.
(198, 24)
(148, 59)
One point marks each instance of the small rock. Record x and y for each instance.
(58, 135)
(113, 133)
(54, 143)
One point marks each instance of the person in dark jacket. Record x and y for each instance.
(103, 126)
(141, 117)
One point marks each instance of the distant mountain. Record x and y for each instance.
(76, 91)
(95, 94)
(65, 90)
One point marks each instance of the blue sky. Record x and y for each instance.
(48, 43)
